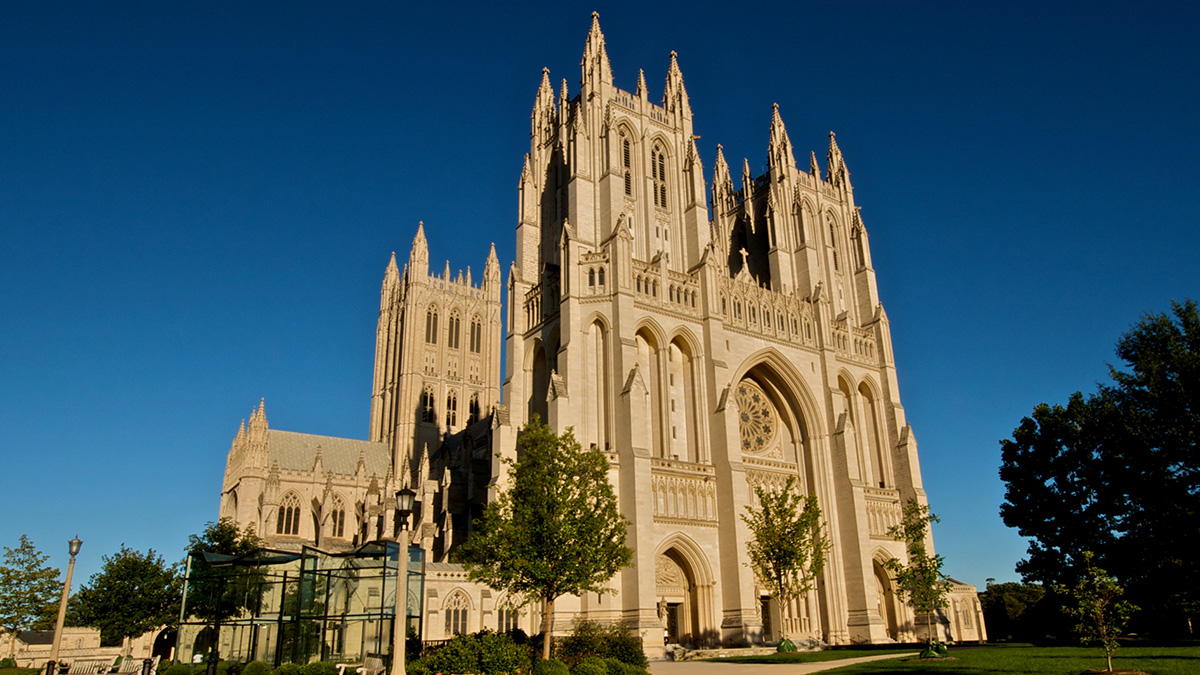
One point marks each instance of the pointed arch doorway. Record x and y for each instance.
(684, 596)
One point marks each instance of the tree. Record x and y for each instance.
(919, 582)
(27, 587)
(787, 553)
(217, 592)
(1098, 607)
(555, 531)
(1020, 611)
(131, 594)
(1117, 472)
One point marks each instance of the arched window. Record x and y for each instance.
(626, 165)
(427, 411)
(507, 617)
(455, 608)
(592, 277)
(798, 214)
(476, 335)
(601, 276)
(431, 327)
(658, 171)
(452, 331)
(337, 518)
(289, 515)
(473, 410)
(451, 409)
(833, 242)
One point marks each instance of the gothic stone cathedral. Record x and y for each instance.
(706, 357)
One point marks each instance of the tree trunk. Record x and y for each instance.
(547, 614)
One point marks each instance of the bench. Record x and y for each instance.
(90, 666)
(371, 665)
(131, 666)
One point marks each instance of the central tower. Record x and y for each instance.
(707, 356)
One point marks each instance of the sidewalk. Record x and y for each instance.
(729, 668)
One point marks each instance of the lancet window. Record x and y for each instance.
(431, 326)
(289, 515)
(337, 518)
(452, 328)
(451, 409)
(476, 335)
(658, 172)
(427, 410)
(456, 613)
(626, 164)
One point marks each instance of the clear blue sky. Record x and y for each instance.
(198, 200)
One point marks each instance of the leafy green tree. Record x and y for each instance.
(555, 531)
(1117, 473)
(787, 553)
(216, 593)
(132, 593)
(1021, 611)
(28, 586)
(920, 582)
(1098, 607)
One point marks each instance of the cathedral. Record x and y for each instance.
(709, 337)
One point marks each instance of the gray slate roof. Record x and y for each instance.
(297, 452)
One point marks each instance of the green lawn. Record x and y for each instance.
(1012, 659)
(811, 657)
(19, 671)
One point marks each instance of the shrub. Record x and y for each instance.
(550, 667)
(179, 669)
(786, 645)
(592, 665)
(256, 668)
(285, 669)
(7, 662)
(318, 668)
(615, 666)
(591, 638)
(485, 652)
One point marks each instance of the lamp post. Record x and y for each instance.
(404, 507)
(52, 664)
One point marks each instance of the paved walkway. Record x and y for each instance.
(729, 668)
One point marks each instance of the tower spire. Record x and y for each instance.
(542, 117)
(838, 173)
(595, 67)
(641, 86)
(675, 96)
(779, 151)
(418, 258)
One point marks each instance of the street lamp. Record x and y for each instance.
(52, 664)
(404, 507)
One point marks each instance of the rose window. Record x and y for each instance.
(757, 420)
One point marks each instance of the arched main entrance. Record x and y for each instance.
(886, 598)
(684, 596)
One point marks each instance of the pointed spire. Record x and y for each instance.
(722, 186)
(675, 96)
(837, 164)
(542, 117)
(563, 97)
(391, 284)
(779, 151)
(641, 86)
(813, 168)
(595, 66)
(418, 258)
(526, 172)
(446, 272)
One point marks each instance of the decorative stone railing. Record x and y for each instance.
(765, 312)
(683, 491)
(883, 511)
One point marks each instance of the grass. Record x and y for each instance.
(1181, 659)
(19, 671)
(812, 657)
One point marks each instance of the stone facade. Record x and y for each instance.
(705, 356)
